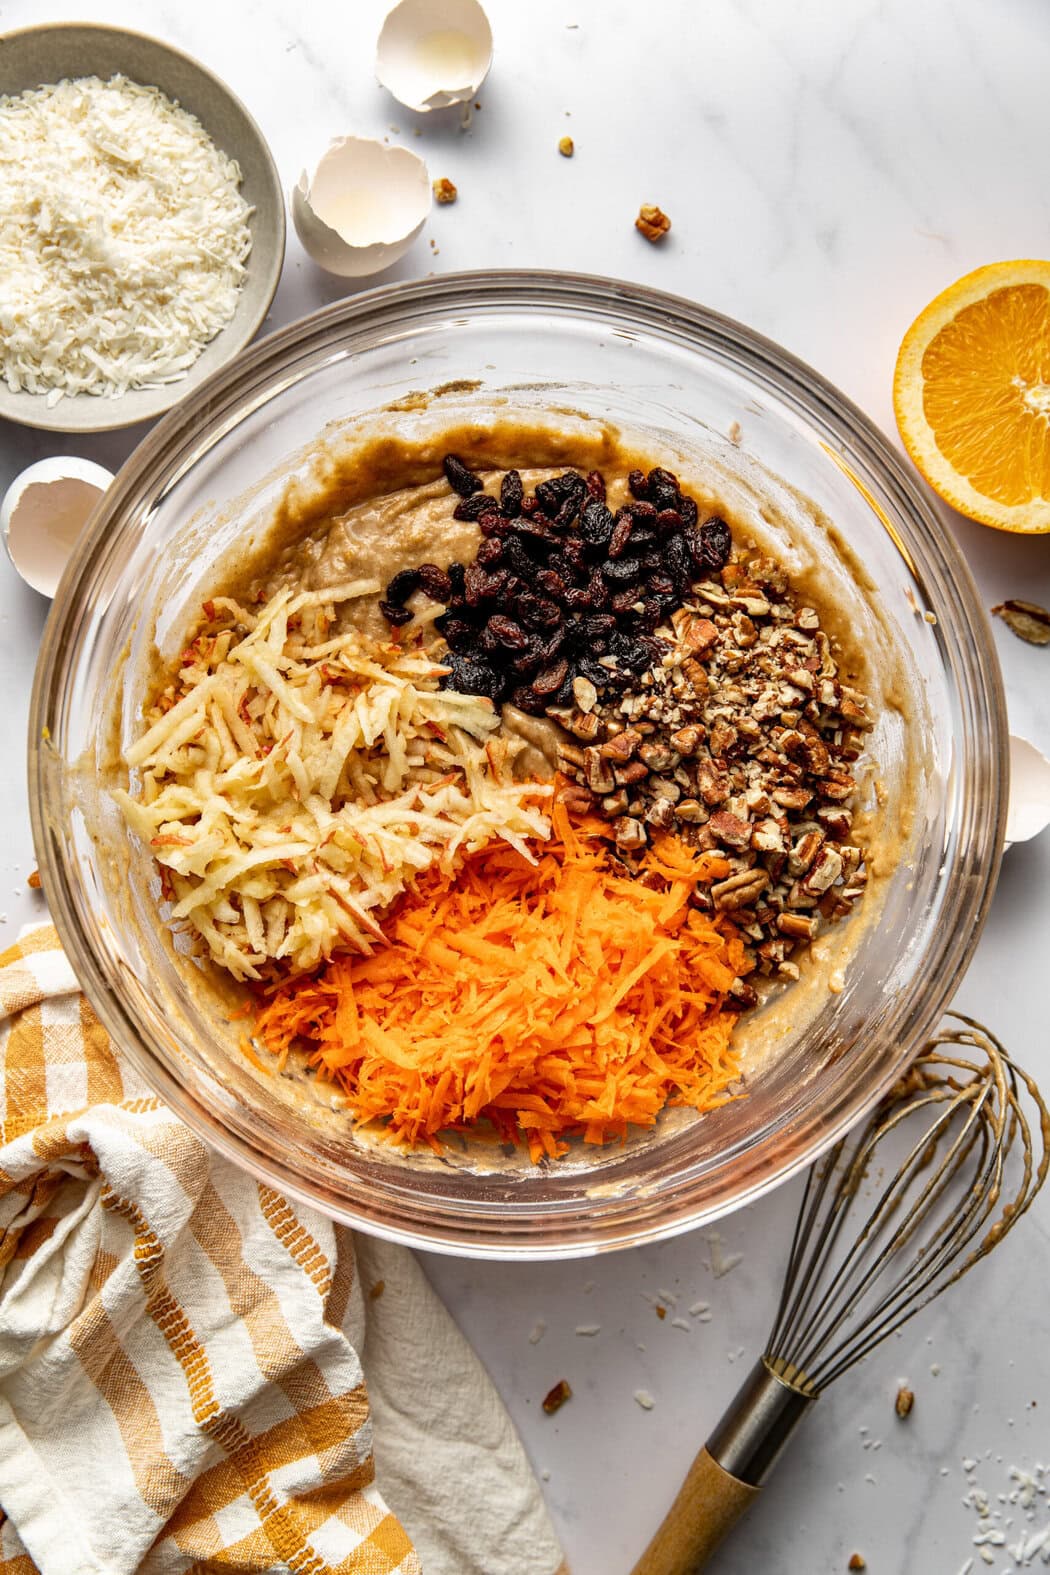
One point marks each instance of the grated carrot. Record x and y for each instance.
(565, 997)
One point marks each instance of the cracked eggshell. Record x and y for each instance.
(44, 511)
(432, 53)
(1028, 812)
(363, 207)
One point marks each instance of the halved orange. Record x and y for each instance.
(971, 394)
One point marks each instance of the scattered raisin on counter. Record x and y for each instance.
(555, 1398)
(444, 190)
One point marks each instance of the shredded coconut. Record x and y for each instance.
(124, 240)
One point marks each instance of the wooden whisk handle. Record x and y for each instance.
(727, 1474)
(708, 1506)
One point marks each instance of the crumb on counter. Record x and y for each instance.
(644, 1399)
(444, 191)
(377, 1290)
(566, 147)
(857, 1561)
(652, 221)
(904, 1401)
(34, 881)
(661, 1312)
(555, 1398)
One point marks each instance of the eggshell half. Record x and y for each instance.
(363, 207)
(432, 53)
(1029, 809)
(44, 511)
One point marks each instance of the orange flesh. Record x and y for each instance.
(986, 393)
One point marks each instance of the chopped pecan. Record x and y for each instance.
(739, 890)
(623, 746)
(823, 872)
(730, 829)
(598, 773)
(630, 833)
(633, 771)
(661, 814)
(687, 740)
(652, 222)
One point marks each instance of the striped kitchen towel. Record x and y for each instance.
(181, 1349)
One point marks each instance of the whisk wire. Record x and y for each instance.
(838, 1300)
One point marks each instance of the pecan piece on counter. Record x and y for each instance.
(652, 221)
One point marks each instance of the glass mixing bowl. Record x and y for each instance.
(704, 387)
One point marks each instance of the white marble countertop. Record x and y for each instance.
(829, 166)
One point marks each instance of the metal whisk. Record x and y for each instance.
(893, 1215)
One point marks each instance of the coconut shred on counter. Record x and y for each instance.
(124, 241)
(566, 663)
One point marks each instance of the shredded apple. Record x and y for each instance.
(561, 998)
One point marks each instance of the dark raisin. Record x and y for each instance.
(473, 675)
(551, 584)
(552, 647)
(635, 655)
(668, 522)
(620, 570)
(394, 613)
(548, 495)
(661, 584)
(688, 511)
(472, 507)
(529, 505)
(537, 528)
(517, 559)
(511, 493)
(716, 542)
(434, 582)
(459, 478)
(457, 577)
(402, 586)
(641, 511)
(598, 626)
(538, 612)
(642, 538)
(598, 675)
(623, 602)
(489, 553)
(529, 658)
(526, 699)
(571, 502)
(650, 615)
(492, 523)
(679, 559)
(638, 483)
(652, 559)
(621, 536)
(476, 584)
(596, 524)
(507, 632)
(550, 679)
(565, 695)
(459, 635)
(577, 599)
(663, 488)
(598, 590)
(595, 485)
(574, 551)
